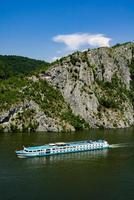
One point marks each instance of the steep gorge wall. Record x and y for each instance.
(96, 85)
(91, 89)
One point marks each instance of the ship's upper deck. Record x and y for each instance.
(63, 144)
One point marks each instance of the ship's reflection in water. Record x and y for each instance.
(79, 156)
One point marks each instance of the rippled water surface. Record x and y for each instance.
(95, 175)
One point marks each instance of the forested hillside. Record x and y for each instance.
(18, 65)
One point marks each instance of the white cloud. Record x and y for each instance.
(78, 40)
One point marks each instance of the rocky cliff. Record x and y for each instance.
(91, 89)
(96, 85)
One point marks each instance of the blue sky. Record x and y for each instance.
(44, 29)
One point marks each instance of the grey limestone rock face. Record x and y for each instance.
(79, 78)
(38, 121)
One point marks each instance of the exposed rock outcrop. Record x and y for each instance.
(92, 80)
(29, 117)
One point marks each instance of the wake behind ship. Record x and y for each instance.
(61, 148)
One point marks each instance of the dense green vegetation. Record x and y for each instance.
(17, 65)
(10, 91)
(132, 69)
(114, 93)
(12, 72)
(132, 78)
(75, 121)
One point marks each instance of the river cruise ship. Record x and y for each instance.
(61, 148)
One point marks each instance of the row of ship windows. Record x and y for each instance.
(78, 147)
(67, 148)
(35, 150)
(98, 145)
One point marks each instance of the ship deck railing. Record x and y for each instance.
(57, 145)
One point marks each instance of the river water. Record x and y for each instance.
(96, 175)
